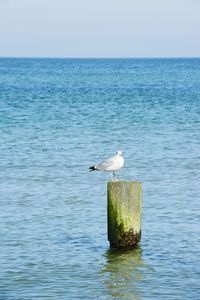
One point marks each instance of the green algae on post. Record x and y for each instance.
(124, 213)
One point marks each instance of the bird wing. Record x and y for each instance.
(106, 164)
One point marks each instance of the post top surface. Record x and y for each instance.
(124, 181)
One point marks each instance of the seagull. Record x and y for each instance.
(111, 164)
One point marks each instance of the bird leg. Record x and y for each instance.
(114, 176)
(111, 176)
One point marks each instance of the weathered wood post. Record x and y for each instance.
(124, 213)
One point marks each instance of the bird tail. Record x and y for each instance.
(93, 168)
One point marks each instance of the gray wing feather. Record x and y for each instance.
(102, 166)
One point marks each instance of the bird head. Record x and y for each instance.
(119, 152)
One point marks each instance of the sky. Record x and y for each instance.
(100, 28)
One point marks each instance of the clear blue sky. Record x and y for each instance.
(100, 28)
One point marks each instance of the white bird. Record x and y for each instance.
(111, 164)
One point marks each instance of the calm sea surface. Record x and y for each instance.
(57, 118)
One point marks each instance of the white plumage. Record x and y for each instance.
(111, 164)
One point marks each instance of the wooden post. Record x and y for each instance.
(124, 213)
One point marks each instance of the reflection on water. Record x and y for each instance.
(123, 272)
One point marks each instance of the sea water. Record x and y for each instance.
(57, 118)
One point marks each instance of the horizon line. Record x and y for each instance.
(100, 57)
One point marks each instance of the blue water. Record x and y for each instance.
(57, 118)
